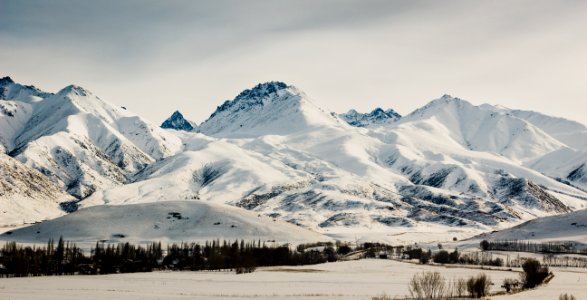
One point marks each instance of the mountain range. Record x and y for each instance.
(448, 168)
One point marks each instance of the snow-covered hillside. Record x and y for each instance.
(76, 139)
(26, 196)
(571, 227)
(447, 166)
(173, 221)
(479, 128)
(566, 164)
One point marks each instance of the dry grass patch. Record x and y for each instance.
(292, 270)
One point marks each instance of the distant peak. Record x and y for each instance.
(6, 80)
(176, 114)
(254, 97)
(75, 89)
(375, 117)
(444, 102)
(447, 99)
(377, 111)
(262, 90)
(177, 122)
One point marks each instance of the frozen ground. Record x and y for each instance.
(566, 280)
(342, 280)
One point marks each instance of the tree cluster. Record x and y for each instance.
(67, 259)
(432, 285)
(527, 246)
(534, 273)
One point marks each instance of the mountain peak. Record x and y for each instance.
(268, 108)
(177, 122)
(377, 116)
(252, 97)
(446, 98)
(73, 89)
(6, 80)
(10, 90)
(439, 104)
(262, 90)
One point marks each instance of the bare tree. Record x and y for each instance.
(427, 285)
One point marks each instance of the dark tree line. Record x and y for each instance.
(60, 259)
(67, 259)
(527, 246)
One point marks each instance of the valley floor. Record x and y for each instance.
(361, 279)
(572, 281)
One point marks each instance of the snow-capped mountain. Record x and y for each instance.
(178, 122)
(449, 166)
(76, 139)
(479, 128)
(292, 160)
(268, 108)
(567, 164)
(571, 133)
(376, 117)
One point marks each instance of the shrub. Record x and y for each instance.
(425, 257)
(484, 245)
(459, 287)
(510, 284)
(534, 273)
(344, 249)
(454, 256)
(566, 296)
(382, 297)
(427, 285)
(478, 286)
(413, 253)
(441, 257)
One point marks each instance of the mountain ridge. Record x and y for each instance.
(271, 150)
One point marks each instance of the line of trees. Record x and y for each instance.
(527, 246)
(67, 259)
(564, 261)
(454, 257)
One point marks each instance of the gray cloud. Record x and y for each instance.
(400, 54)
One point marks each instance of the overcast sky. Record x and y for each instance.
(155, 57)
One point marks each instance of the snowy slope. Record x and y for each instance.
(26, 195)
(566, 164)
(571, 133)
(209, 170)
(567, 227)
(78, 140)
(172, 221)
(480, 128)
(376, 117)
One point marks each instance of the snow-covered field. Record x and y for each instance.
(566, 280)
(361, 279)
